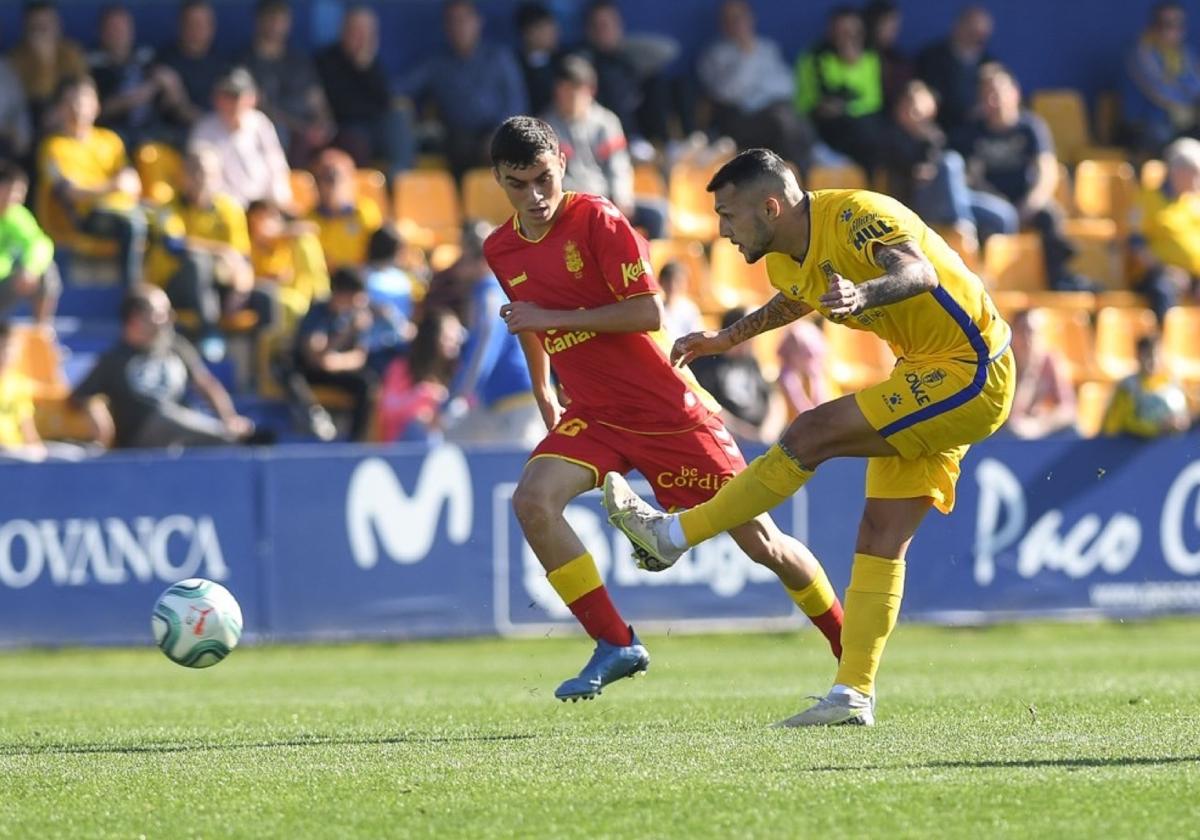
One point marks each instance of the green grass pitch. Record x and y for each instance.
(1061, 730)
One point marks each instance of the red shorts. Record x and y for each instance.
(685, 468)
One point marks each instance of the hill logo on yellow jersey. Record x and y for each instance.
(867, 227)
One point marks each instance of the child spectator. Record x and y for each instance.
(1044, 402)
(415, 388)
(802, 355)
(286, 255)
(1149, 403)
(681, 315)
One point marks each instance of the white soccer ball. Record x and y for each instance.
(196, 622)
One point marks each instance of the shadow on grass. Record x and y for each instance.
(121, 749)
(1028, 763)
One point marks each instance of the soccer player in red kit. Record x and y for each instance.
(584, 302)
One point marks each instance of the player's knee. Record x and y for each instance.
(808, 438)
(533, 505)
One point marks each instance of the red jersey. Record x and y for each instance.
(593, 257)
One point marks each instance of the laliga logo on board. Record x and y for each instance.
(379, 510)
(76, 552)
(1088, 545)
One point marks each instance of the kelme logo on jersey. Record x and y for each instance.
(691, 477)
(555, 343)
(632, 272)
(573, 259)
(891, 401)
(914, 385)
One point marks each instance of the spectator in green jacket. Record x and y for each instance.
(839, 86)
(27, 267)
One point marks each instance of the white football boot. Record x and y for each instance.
(645, 525)
(842, 706)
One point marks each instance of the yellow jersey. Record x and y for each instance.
(1170, 226)
(16, 407)
(90, 163)
(955, 321)
(222, 222)
(344, 235)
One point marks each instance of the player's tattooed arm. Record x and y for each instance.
(779, 311)
(909, 273)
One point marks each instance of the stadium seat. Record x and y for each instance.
(1065, 113)
(370, 183)
(849, 177)
(1117, 332)
(426, 207)
(729, 270)
(966, 248)
(1153, 174)
(857, 358)
(38, 359)
(691, 211)
(57, 419)
(1105, 189)
(1064, 191)
(1181, 342)
(1014, 262)
(1100, 253)
(161, 169)
(443, 256)
(1091, 402)
(691, 254)
(1069, 332)
(648, 181)
(483, 198)
(304, 192)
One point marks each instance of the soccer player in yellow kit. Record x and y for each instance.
(867, 262)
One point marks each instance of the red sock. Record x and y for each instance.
(601, 620)
(830, 624)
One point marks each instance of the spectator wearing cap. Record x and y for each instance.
(344, 219)
(539, 33)
(194, 58)
(253, 165)
(289, 90)
(474, 86)
(594, 144)
(43, 59)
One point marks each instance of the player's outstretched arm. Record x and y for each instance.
(909, 273)
(777, 312)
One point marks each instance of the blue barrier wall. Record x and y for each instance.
(341, 542)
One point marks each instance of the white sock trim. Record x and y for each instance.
(675, 533)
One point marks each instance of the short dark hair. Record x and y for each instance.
(520, 141)
(135, 302)
(71, 84)
(749, 166)
(732, 316)
(347, 279)
(187, 5)
(575, 69)
(264, 7)
(34, 6)
(385, 244)
(530, 14)
(11, 171)
(1149, 341)
(110, 9)
(600, 6)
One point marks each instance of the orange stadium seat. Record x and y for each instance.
(648, 181)
(304, 192)
(849, 177)
(1100, 251)
(426, 207)
(1014, 262)
(161, 169)
(691, 254)
(1091, 402)
(370, 183)
(1069, 333)
(1105, 189)
(857, 358)
(691, 212)
(1065, 112)
(443, 256)
(1117, 332)
(966, 248)
(1181, 342)
(1153, 174)
(730, 271)
(38, 359)
(483, 198)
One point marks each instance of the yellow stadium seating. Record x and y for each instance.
(1100, 252)
(1068, 332)
(1181, 342)
(1065, 113)
(730, 271)
(691, 211)
(1091, 402)
(1117, 332)
(691, 254)
(426, 207)
(857, 358)
(648, 181)
(161, 169)
(443, 256)
(1105, 189)
(966, 247)
(1014, 262)
(483, 198)
(1153, 174)
(36, 355)
(849, 177)
(304, 192)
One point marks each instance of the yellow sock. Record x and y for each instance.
(575, 579)
(817, 598)
(770, 479)
(872, 604)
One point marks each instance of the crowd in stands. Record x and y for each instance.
(258, 198)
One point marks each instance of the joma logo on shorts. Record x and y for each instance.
(914, 385)
(691, 477)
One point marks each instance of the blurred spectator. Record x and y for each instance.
(289, 91)
(16, 129)
(474, 86)
(1010, 153)
(539, 35)
(146, 378)
(1162, 91)
(344, 219)
(1149, 403)
(19, 438)
(1166, 238)
(252, 162)
(415, 388)
(1044, 402)
(681, 315)
(931, 178)
(87, 172)
(193, 58)
(751, 406)
(27, 267)
(802, 355)
(839, 85)
(951, 66)
(595, 147)
(388, 283)
(629, 72)
(491, 395)
(342, 343)
(882, 19)
(288, 256)
(369, 125)
(140, 100)
(203, 256)
(752, 88)
(43, 59)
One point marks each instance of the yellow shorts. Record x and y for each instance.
(931, 412)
